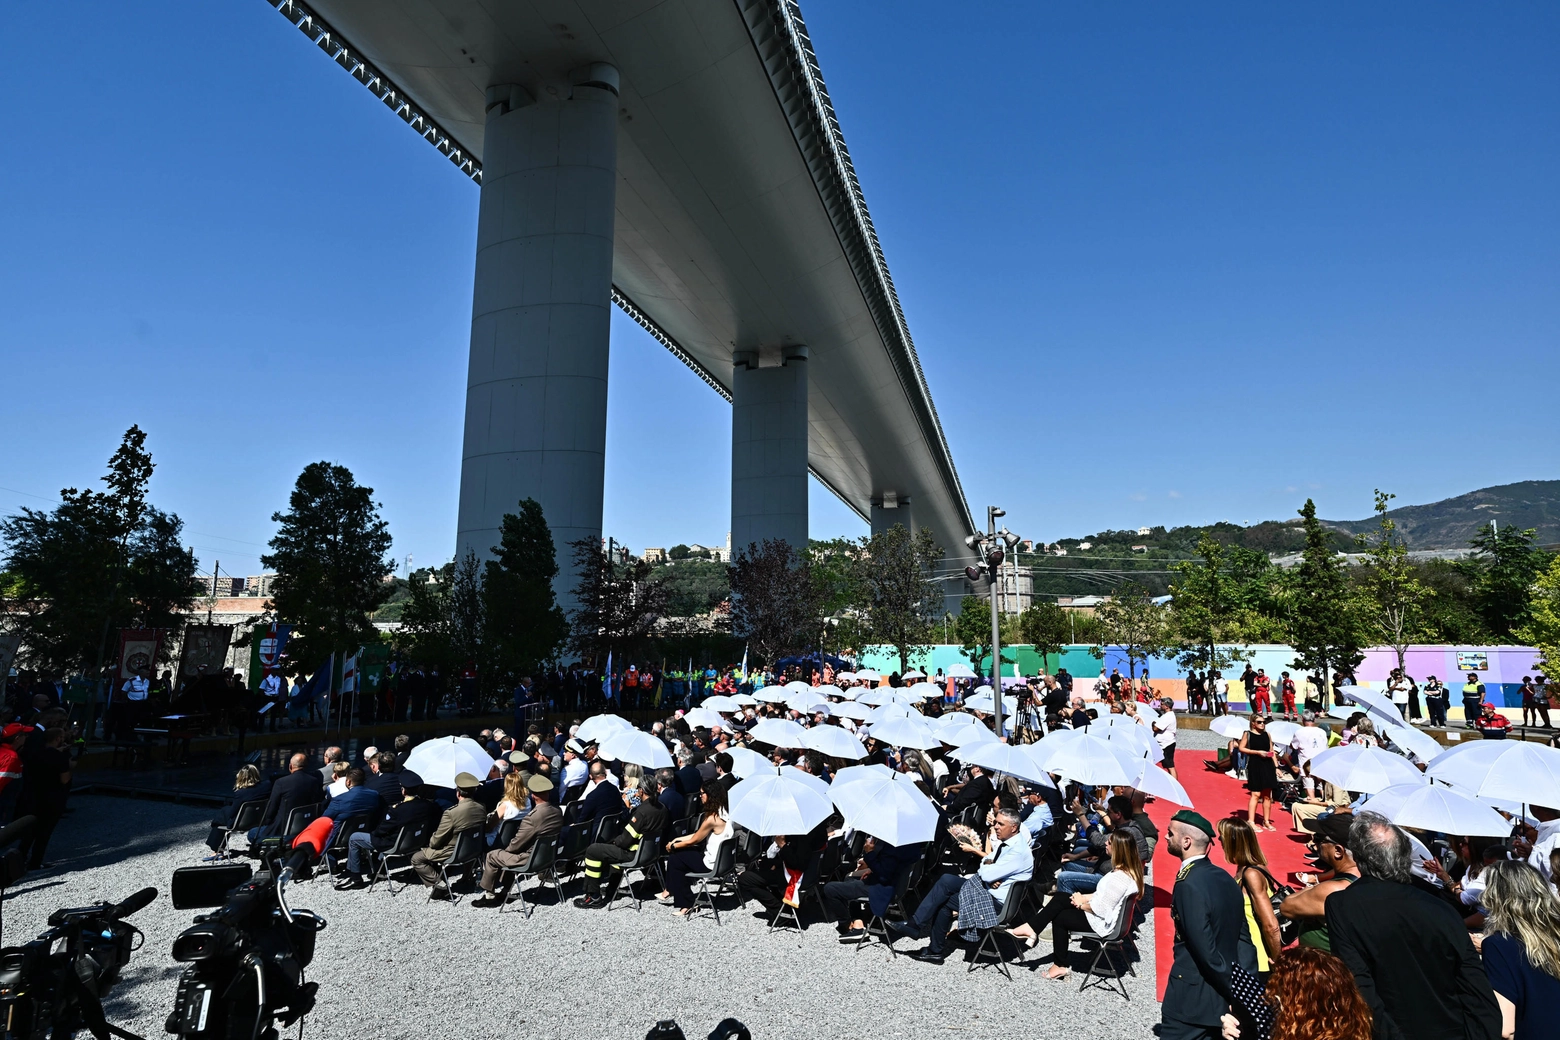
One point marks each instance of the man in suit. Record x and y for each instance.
(769, 879)
(672, 799)
(301, 786)
(413, 811)
(1209, 918)
(977, 790)
(601, 797)
(467, 813)
(1409, 951)
(541, 824)
(873, 882)
(328, 770)
(689, 779)
(385, 779)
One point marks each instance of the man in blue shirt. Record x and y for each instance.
(356, 800)
(1009, 861)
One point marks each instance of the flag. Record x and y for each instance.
(744, 662)
(266, 648)
(305, 693)
(606, 680)
(349, 673)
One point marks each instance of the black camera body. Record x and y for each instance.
(246, 961)
(54, 985)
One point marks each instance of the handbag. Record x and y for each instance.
(1288, 928)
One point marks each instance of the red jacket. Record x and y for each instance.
(10, 766)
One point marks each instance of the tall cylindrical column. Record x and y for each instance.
(536, 392)
(769, 450)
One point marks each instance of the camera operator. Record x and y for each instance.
(45, 788)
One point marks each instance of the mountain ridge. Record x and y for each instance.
(1450, 523)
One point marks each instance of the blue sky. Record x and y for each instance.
(1200, 262)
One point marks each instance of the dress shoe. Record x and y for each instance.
(929, 956)
(441, 893)
(486, 901)
(903, 930)
(351, 883)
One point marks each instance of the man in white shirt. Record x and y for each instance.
(1010, 861)
(1309, 741)
(1164, 732)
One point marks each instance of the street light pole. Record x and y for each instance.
(992, 512)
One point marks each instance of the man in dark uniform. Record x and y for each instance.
(604, 860)
(1209, 916)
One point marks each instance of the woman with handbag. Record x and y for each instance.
(1257, 889)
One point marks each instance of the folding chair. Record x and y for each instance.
(607, 827)
(645, 858)
(1117, 941)
(989, 940)
(750, 846)
(506, 833)
(336, 851)
(470, 847)
(877, 926)
(806, 887)
(246, 819)
(297, 819)
(848, 859)
(407, 841)
(572, 843)
(685, 826)
(540, 865)
(724, 875)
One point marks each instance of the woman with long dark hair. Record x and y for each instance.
(1099, 912)
(697, 852)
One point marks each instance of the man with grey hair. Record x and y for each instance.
(1409, 952)
(979, 899)
(328, 770)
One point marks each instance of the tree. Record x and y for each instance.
(331, 558)
(1323, 623)
(679, 552)
(98, 561)
(903, 599)
(1504, 568)
(972, 628)
(838, 569)
(426, 623)
(1045, 627)
(1135, 624)
(523, 626)
(468, 610)
(1205, 608)
(619, 605)
(1394, 595)
(774, 600)
(1543, 625)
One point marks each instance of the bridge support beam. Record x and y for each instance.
(536, 391)
(888, 509)
(769, 448)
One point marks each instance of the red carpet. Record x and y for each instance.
(1215, 795)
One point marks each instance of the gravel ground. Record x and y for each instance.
(400, 967)
(1198, 739)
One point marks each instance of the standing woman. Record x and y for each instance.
(1261, 774)
(1529, 702)
(686, 857)
(1435, 701)
(1521, 947)
(1243, 852)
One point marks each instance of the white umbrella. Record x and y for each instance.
(885, 695)
(890, 808)
(964, 736)
(834, 742)
(905, 732)
(779, 732)
(1003, 758)
(1511, 770)
(983, 690)
(987, 703)
(1043, 749)
(1157, 783)
(593, 729)
(913, 674)
(437, 761)
(720, 702)
(745, 761)
(1436, 807)
(850, 693)
(844, 676)
(806, 702)
(1360, 767)
(960, 671)
(893, 711)
(703, 717)
(1377, 704)
(924, 691)
(855, 774)
(1417, 743)
(797, 684)
(1282, 732)
(955, 718)
(772, 803)
(1230, 726)
(743, 700)
(817, 783)
(636, 746)
(850, 710)
(868, 676)
(1122, 730)
(771, 694)
(1094, 761)
(829, 691)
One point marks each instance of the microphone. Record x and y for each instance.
(133, 903)
(16, 829)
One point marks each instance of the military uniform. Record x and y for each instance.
(1209, 915)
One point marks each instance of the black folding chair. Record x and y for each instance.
(877, 926)
(297, 819)
(685, 826)
(848, 859)
(750, 846)
(470, 847)
(506, 833)
(807, 886)
(645, 859)
(246, 819)
(573, 840)
(407, 841)
(990, 940)
(336, 852)
(1117, 942)
(723, 876)
(607, 827)
(539, 865)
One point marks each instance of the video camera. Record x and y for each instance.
(246, 960)
(54, 985)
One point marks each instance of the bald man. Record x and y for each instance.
(301, 786)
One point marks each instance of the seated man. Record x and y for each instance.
(601, 797)
(1036, 815)
(542, 823)
(357, 800)
(647, 823)
(1083, 874)
(773, 878)
(413, 811)
(466, 814)
(301, 786)
(385, 779)
(876, 875)
(1004, 861)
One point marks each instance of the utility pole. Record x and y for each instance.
(993, 548)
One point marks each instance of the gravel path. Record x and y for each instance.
(400, 967)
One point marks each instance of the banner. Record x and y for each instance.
(205, 650)
(137, 650)
(267, 644)
(349, 673)
(373, 665)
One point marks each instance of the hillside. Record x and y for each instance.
(1451, 522)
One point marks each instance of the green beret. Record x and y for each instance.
(1193, 819)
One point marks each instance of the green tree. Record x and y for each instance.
(1324, 625)
(523, 626)
(679, 552)
(1206, 608)
(972, 628)
(1504, 567)
(1394, 596)
(100, 560)
(1133, 623)
(903, 600)
(1543, 625)
(331, 558)
(693, 587)
(838, 568)
(424, 636)
(774, 602)
(619, 604)
(1046, 627)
